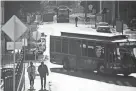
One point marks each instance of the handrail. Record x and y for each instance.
(21, 79)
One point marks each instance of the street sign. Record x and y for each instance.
(24, 42)
(14, 28)
(36, 35)
(10, 45)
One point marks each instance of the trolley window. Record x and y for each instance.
(65, 45)
(58, 45)
(52, 45)
(84, 48)
(91, 49)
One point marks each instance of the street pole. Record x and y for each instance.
(24, 61)
(14, 64)
(101, 9)
(0, 58)
(113, 14)
(118, 11)
(100, 5)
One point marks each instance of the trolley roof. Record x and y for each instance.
(96, 36)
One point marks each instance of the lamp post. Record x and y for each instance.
(118, 11)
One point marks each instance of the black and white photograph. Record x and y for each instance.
(68, 45)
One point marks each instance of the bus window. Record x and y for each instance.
(125, 55)
(58, 45)
(111, 53)
(84, 48)
(72, 46)
(78, 47)
(91, 49)
(99, 51)
(65, 45)
(52, 45)
(63, 12)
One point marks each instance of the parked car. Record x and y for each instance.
(102, 24)
(104, 29)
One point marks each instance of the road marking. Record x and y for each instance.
(111, 82)
(119, 83)
(127, 83)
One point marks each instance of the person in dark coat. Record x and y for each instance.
(43, 71)
(76, 20)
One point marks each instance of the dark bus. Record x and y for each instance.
(62, 14)
(101, 52)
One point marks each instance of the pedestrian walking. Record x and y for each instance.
(31, 74)
(76, 20)
(43, 71)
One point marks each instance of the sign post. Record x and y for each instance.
(36, 36)
(14, 78)
(14, 28)
(119, 26)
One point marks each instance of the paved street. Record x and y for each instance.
(63, 80)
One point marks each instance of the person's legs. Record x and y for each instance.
(32, 82)
(41, 82)
(44, 82)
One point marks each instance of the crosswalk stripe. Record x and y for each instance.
(127, 83)
(119, 83)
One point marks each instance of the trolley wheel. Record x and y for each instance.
(65, 65)
(101, 68)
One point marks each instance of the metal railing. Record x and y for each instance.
(7, 75)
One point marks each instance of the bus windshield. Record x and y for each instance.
(126, 55)
(63, 12)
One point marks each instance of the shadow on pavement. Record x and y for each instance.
(110, 79)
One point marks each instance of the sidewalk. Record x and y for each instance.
(37, 83)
